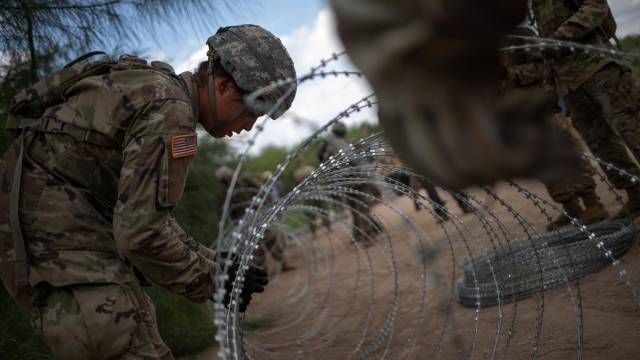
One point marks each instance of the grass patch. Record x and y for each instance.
(256, 323)
(18, 339)
(185, 327)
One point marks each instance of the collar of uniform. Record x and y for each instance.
(192, 90)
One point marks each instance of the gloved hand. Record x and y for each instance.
(254, 280)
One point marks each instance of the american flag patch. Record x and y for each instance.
(184, 145)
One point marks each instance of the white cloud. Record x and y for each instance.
(193, 61)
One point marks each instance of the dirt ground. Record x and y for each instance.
(396, 299)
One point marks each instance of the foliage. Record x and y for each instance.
(187, 328)
(631, 44)
(18, 339)
(256, 323)
(29, 26)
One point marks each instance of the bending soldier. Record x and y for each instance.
(526, 69)
(244, 191)
(602, 94)
(361, 201)
(302, 172)
(101, 157)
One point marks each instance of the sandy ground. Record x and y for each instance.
(385, 301)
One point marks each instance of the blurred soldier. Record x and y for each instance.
(302, 172)
(444, 117)
(278, 186)
(525, 69)
(243, 192)
(366, 195)
(101, 157)
(416, 183)
(602, 94)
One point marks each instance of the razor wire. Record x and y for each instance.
(400, 290)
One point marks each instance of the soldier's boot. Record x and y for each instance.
(632, 206)
(573, 208)
(594, 210)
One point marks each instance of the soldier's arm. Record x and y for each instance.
(151, 183)
(589, 16)
(526, 74)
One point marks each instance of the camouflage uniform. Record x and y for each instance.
(93, 217)
(527, 69)
(365, 226)
(602, 94)
(101, 158)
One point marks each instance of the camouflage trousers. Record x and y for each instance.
(606, 112)
(101, 321)
(581, 182)
(365, 226)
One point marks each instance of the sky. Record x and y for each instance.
(307, 29)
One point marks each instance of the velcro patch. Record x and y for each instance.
(184, 145)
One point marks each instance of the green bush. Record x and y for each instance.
(185, 327)
(18, 339)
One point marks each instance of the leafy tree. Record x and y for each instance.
(31, 25)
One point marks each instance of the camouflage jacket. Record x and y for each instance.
(523, 69)
(578, 21)
(91, 214)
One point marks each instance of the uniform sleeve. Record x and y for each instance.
(526, 74)
(589, 16)
(151, 182)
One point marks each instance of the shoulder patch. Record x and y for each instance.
(184, 145)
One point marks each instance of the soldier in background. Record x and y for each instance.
(365, 226)
(243, 192)
(602, 94)
(90, 181)
(524, 69)
(302, 172)
(416, 183)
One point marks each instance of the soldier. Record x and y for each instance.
(243, 192)
(602, 94)
(302, 172)
(417, 182)
(524, 69)
(101, 157)
(365, 226)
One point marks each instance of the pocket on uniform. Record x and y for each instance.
(174, 168)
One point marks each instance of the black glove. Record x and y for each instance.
(254, 280)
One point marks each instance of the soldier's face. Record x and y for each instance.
(233, 115)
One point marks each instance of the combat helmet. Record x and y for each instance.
(255, 58)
